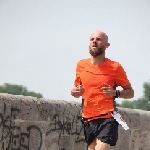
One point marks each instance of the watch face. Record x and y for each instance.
(117, 93)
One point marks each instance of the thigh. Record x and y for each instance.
(92, 145)
(101, 146)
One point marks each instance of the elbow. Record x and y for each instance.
(132, 93)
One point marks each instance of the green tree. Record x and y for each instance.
(141, 103)
(127, 104)
(18, 90)
(146, 92)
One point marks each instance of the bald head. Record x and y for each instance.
(101, 34)
(98, 43)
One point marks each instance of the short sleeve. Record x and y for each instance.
(77, 79)
(121, 77)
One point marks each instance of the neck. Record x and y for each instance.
(97, 60)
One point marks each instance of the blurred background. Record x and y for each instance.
(41, 42)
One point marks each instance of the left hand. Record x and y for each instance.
(108, 90)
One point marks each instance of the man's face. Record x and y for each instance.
(97, 44)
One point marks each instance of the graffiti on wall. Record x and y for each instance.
(11, 135)
(15, 137)
(69, 128)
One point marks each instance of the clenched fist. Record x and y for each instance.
(77, 91)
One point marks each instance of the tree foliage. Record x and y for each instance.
(141, 103)
(18, 90)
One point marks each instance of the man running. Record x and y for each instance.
(95, 80)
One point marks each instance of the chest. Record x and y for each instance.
(97, 77)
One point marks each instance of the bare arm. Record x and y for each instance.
(127, 92)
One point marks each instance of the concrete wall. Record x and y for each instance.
(28, 123)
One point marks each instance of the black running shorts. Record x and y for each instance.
(105, 130)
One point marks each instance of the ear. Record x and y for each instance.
(107, 45)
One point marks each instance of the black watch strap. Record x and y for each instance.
(117, 93)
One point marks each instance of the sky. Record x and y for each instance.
(41, 41)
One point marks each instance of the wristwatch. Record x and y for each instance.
(117, 94)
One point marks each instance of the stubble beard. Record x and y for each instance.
(96, 52)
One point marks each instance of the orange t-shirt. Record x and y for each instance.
(93, 77)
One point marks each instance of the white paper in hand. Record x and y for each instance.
(119, 119)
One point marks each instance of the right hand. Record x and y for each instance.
(108, 90)
(77, 91)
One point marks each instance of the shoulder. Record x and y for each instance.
(114, 64)
(83, 62)
(117, 67)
